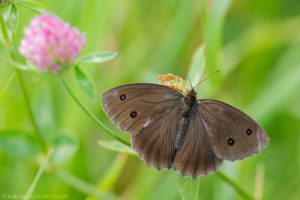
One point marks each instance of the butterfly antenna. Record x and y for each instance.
(190, 82)
(206, 78)
(186, 74)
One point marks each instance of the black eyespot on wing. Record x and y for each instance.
(133, 114)
(230, 141)
(122, 97)
(248, 131)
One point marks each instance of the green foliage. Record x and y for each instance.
(96, 57)
(64, 147)
(117, 146)
(197, 66)
(32, 5)
(19, 144)
(188, 188)
(85, 83)
(13, 18)
(254, 44)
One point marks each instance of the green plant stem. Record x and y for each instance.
(11, 50)
(92, 116)
(37, 177)
(81, 185)
(234, 185)
(37, 131)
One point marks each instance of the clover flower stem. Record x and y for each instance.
(37, 131)
(92, 116)
(38, 176)
(234, 185)
(11, 50)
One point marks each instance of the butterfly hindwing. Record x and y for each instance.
(195, 156)
(233, 134)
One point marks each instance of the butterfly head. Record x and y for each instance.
(192, 95)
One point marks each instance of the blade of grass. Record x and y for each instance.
(259, 182)
(234, 185)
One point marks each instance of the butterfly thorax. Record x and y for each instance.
(190, 101)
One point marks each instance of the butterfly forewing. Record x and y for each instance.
(195, 156)
(133, 107)
(157, 110)
(233, 134)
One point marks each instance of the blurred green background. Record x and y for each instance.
(255, 45)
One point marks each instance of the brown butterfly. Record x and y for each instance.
(174, 130)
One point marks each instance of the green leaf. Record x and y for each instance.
(13, 18)
(116, 146)
(84, 82)
(197, 65)
(25, 67)
(31, 6)
(18, 143)
(189, 188)
(33, 3)
(64, 148)
(97, 57)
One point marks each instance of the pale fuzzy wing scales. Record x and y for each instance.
(148, 101)
(195, 156)
(156, 144)
(234, 135)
